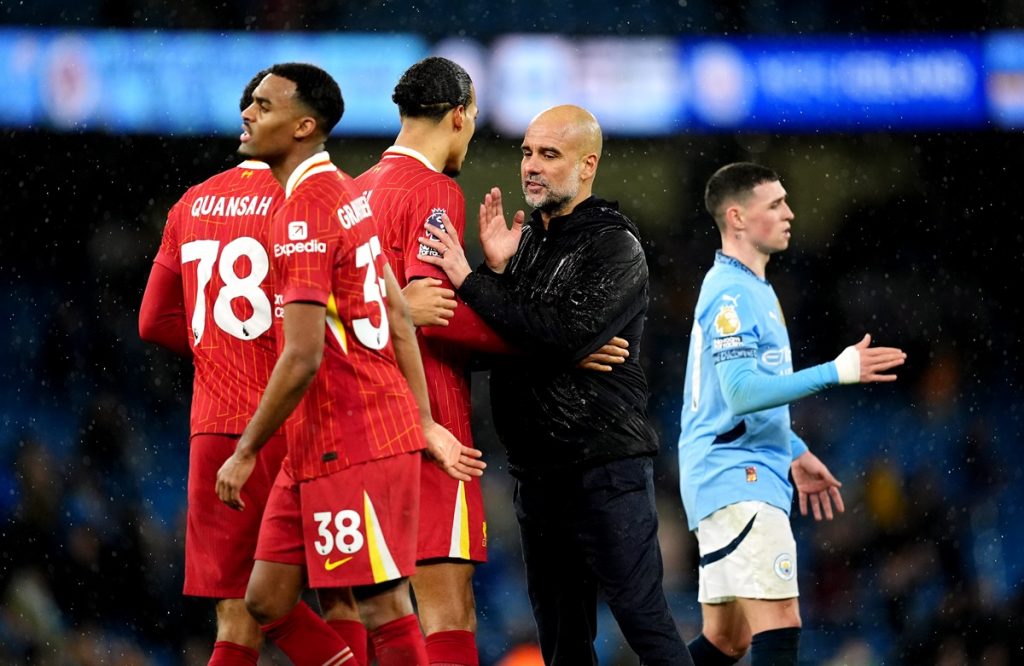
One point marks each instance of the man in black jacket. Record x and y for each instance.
(579, 443)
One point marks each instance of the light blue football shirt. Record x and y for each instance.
(736, 443)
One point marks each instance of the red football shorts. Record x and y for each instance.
(353, 527)
(452, 520)
(220, 542)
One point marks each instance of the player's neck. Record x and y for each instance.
(426, 142)
(749, 256)
(284, 168)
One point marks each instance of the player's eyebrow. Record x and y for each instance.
(260, 100)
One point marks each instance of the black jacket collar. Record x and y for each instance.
(562, 222)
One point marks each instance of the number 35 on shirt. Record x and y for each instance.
(370, 335)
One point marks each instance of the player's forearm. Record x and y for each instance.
(746, 390)
(407, 350)
(288, 382)
(467, 330)
(407, 353)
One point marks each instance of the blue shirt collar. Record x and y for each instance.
(723, 258)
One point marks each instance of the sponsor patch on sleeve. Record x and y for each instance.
(730, 342)
(730, 354)
(435, 219)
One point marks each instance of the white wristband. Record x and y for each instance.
(848, 366)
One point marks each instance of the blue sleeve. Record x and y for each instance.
(746, 390)
(797, 445)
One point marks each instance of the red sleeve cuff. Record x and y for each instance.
(306, 295)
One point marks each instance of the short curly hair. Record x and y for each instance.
(431, 88)
(316, 89)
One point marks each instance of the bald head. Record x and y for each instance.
(561, 149)
(575, 124)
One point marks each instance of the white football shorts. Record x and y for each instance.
(747, 550)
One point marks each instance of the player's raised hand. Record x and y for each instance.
(499, 242)
(613, 352)
(862, 363)
(452, 258)
(231, 476)
(430, 304)
(876, 360)
(458, 461)
(816, 486)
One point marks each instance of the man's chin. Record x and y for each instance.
(535, 202)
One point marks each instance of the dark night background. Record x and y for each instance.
(914, 237)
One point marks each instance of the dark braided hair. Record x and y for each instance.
(431, 88)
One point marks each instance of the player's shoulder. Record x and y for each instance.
(248, 170)
(408, 170)
(330, 201)
(724, 297)
(326, 187)
(434, 190)
(248, 175)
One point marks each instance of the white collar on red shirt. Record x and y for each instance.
(409, 152)
(253, 164)
(319, 163)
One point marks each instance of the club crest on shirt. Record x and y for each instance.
(435, 219)
(727, 321)
(751, 475)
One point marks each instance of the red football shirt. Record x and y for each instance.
(326, 250)
(216, 239)
(406, 191)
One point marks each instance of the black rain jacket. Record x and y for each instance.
(566, 292)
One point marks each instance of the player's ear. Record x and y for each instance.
(458, 117)
(734, 217)
(305, 127)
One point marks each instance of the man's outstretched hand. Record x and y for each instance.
(458, 461)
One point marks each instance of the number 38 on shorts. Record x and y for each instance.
(359, 525)
(350, 548)
(338, 532)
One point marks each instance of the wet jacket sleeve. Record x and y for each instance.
(746, 390)
(568, 322)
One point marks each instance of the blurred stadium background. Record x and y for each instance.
(895, 127)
